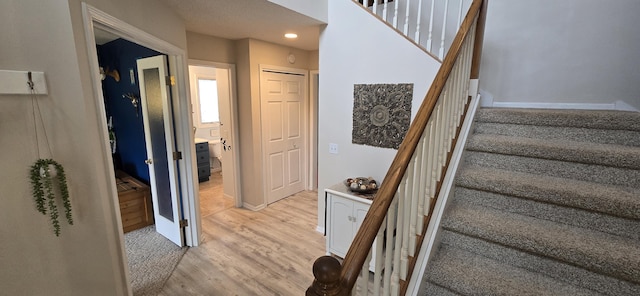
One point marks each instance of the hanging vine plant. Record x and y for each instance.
(42, 183)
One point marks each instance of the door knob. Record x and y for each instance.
(148, 161)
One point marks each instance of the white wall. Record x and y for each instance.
(356, 48)
(316, 9)
(85, 260)
(584, 52)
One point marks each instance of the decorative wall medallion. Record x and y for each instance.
(381, 114)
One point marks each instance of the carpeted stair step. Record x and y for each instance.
(615, 120)
(570, 216)
(620, 201)
(555, 168)
(547, 202)
(551, 268)
(564, 150)
(467, 273)
(577, 134)
(432, 289)
(596, 251)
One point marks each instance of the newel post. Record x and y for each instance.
(326, 271)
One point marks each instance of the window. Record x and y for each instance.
(208, 98)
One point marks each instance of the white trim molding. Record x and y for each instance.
(618, 105)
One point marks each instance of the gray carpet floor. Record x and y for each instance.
(152, 258)
(547, 202)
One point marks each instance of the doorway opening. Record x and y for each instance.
(174, 117)
(213, 97)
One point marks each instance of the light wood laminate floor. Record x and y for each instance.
(268, 252)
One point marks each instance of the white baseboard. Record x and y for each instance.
(252, 207)
(618, 105)
(320, 229)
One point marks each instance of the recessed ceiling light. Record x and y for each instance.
(291, 35)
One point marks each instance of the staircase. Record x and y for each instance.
(547, 202)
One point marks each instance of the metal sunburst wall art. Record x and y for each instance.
(381, 114)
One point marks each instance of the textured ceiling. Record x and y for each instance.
(238, 19)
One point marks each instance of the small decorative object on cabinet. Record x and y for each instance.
(345, 213)
(202, 157)
(134, 196)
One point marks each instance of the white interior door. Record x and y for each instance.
(223, 75)
(283, 110)
(159, 139)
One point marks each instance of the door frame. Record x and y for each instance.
(265, 169)
(95, 18)
(314, 77)
(234, 119)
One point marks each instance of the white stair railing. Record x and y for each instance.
(409, 15)
(408, 193)
(417, 190)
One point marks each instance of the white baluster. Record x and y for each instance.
(395, 275)
(388, 252)
(460, 13)
(364, 276)
(436, 149)
(452, 104)
(375, 6)
(395, 15)
(430, 37)
(446, 123)
(384, 10)
(406, 217)
(377, 276)
(444, 29)
(415, 196)
(442, 120)
(406, 18)
(423, 179)
(418, 17)
(430, 153)
(450, 100)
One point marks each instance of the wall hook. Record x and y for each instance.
(134, 100)
(30, 81)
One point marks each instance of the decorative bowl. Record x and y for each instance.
(361, 184)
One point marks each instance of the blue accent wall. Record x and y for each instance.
(128, 124)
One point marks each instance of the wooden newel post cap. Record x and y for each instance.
(326, 270)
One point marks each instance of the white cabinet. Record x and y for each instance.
(345, 213)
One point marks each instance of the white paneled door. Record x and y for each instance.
(283, 109)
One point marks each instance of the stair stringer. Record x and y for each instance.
(431, 237)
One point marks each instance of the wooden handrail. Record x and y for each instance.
(363, 240)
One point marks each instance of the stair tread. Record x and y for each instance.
(578, 134)
(599, 119)
(620, 201)
(555, 168)
(567, 215)
(471, 274)
(590, 153)
(552, 268)
(600, 252)
(433, 289)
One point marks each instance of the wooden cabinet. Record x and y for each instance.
(134, 196)
(202, 159)
(345, 213)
